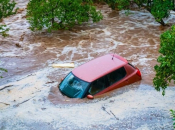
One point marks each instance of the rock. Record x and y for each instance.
(20, 10)
(18, 45)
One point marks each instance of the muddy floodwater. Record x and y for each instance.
(30, 99)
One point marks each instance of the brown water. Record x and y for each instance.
(29, 94)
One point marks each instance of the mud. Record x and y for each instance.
(30, 98)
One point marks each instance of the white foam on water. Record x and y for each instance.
(108, 33)
(122, 105)
(27, 96)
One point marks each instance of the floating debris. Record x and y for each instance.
(64, 65)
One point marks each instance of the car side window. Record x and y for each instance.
(98, 85)
(116, 75)
(105, 81)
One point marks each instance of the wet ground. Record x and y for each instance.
(29, 95)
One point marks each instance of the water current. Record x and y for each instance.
(29, 95)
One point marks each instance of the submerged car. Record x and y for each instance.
(99, 76)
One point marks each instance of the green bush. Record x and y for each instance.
(60, 14)
(165, 71)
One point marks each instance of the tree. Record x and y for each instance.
(158, 8)
(6, 9)
(60, 14)
(161, 9)
(165, 71)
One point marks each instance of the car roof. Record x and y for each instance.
(99, 67)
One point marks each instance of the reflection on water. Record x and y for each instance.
(30, 98)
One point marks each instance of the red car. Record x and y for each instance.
(99, 76)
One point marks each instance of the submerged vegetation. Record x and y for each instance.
(160, 9)
(6, 9)
(173, 115)
(3, 30)
(1, 71)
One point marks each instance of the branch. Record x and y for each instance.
(6, 87)
(5, 103)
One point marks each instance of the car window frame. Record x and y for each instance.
(84, 94)
(106, 78)
(121, 78)
(132, 65)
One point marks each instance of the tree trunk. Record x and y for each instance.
(161, 22)
(53, 21)
(52, 9)
(173, 5)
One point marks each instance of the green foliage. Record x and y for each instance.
(3, 30)
(118, 4)
(165, 71)
(124, 4)
(141, 3)
(161, 9)
(158, 8)
(6, 9)
(173, 115)
(1, 71)
(60, 14)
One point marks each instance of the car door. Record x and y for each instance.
(116, 79)
(98, 85)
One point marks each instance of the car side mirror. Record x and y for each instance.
(90, 97)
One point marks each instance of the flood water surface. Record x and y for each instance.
(30, 98)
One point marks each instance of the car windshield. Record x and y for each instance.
(73, 87)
